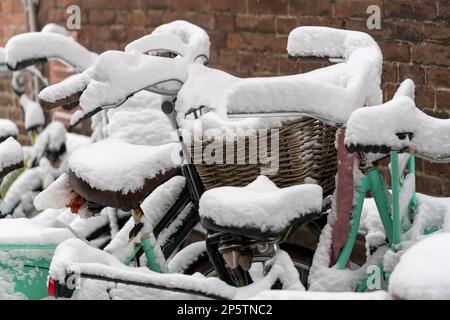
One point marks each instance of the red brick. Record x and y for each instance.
(355, 8)
(409, 31)
(229, 6)
(444, 9)
(439, 32)
(407, 9)
(429, 185)
(279, 7)
(310, 7)
(286, 67)
(155, 4)
(443, 99)
(440, 114)
(412, 71)
(438, 77)
(101, 16)
(431, 54)
(265, 24)
(438, 170)
(224, 22)
(189, 5)
(285, 25)
(387, 31)
(245, 22)
(228, 59)
(138, 19)
(425, 97)
(395, 51)
(389, 90)
(256, 43)
(389, 72)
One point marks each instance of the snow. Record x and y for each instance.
(178, 36)
(333, 92)
(34, 115)
(55, 28)
(423, 270)
(8, 129)
(154, 206)
(140, 121)
(38, 45)
(378, 125)
(309, 295)
(114, 165)
(74, 255)
(56, 196)
(260, 204)
(51, 138)
(64, 89)
(186, 257)
(10, 153)
(29, 231)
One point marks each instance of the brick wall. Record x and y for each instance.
(13, 20)
(249, 39)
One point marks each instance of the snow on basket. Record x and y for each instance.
(424, 270)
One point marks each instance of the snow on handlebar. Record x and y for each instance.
(398, 125)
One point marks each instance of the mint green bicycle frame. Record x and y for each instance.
(373, 182)
(32, 281)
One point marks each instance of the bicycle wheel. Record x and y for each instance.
(301, 257)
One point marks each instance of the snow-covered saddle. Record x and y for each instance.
(11, 157)
(259, 210)
(118, 174)
(398, 125)
(8, 129)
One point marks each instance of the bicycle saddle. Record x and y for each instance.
(117, 174)
(397, 125)
(259, 210)
(11, 157)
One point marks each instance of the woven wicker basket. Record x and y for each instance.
(306, 149)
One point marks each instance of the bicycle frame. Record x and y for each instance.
(390, 215)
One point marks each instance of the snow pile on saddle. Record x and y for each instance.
(423, 270)
(140, 121)
(10, 153)
(260, 204)
(8, 129)
(115, 165)
(34, 115)
(379, 126)
(44, 45)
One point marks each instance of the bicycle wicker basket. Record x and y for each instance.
(306, 149)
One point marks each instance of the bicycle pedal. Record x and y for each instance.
(135, 231)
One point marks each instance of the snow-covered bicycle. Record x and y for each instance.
(198, 86)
